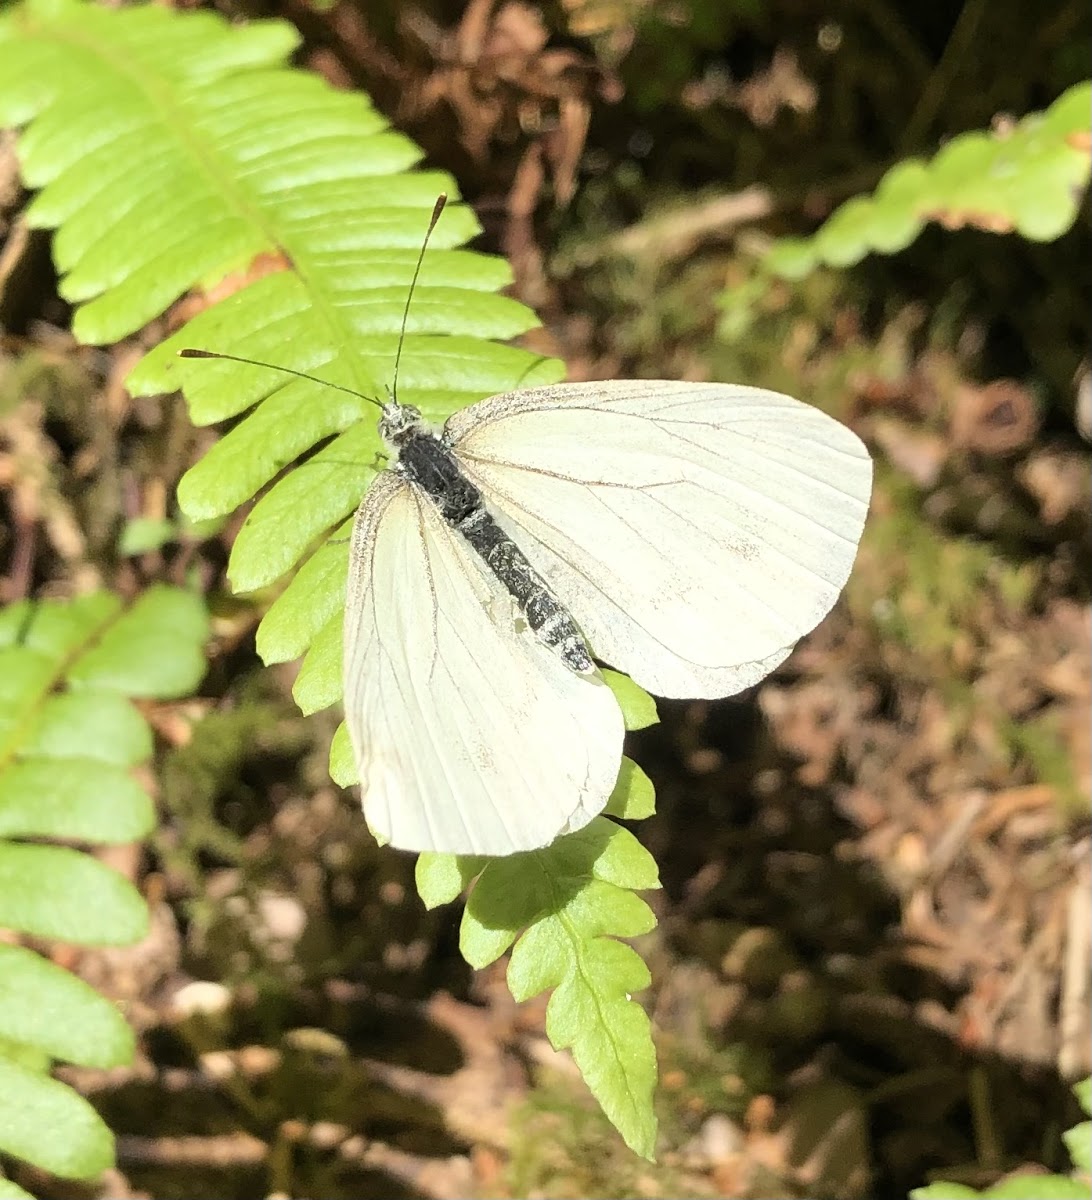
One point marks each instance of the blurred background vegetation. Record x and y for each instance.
(872, 967)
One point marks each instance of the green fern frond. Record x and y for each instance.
(562, 909)
(1026, 179)
(173, 150)
(68, 739)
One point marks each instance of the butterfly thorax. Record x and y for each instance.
(428, 461)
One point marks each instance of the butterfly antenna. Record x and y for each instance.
(190, 352)
(437, 209)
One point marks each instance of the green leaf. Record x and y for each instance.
(572, 899)
(65, 754)
(55, 892)
(46, 1007)
(56, 629)
(27, 1056)
(592, 1014)
(142, 534)
(89, 725)
(68, 740)
(64, 773)
(1027, 179)
(25, 678)
(342, 763)
(314, 597)
(272, 539)
(156, 648)
(638, 707)
(1038, 1187)
(441, 878)
(33, 1108)
(1017, 1187)
(1083, 1092)
(74, 798)
(318, 684)
(634, 797)
(88, 81)
(1078, 1141)
(95, 646)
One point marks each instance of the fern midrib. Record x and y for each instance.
(164, 100)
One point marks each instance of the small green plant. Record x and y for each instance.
(1025, 177)
(171, 152)
(1074, 1186)
(69, 738)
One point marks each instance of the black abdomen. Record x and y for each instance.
(425, 459)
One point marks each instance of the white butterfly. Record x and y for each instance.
(685, 533)
(692, 533)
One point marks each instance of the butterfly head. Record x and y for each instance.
(398, 422)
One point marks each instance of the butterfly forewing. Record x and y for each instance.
(694, 531)
(470, 735)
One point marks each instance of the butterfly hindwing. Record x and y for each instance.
(470, 735)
